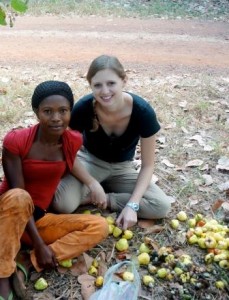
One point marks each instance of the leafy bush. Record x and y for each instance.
(8, 9)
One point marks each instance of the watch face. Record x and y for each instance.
(134, 206)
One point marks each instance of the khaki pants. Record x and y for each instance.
(67, 235)
(118, 180)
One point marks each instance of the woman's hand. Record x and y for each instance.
(45, 257)
(127, 218)
(97, 195)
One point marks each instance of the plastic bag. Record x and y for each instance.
(118, 290)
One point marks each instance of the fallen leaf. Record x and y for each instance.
(150, 242)
(170, 126)
(85, 277)
(88, 259)
(183, 103)
(145, 223)
(223, 164)
(110, 254)
(224, 186)
(102, 268)
(3, 91)
(207, 179)
(168, 163)
(30, 121)
(208, 148)
(81, 266)
(123, 255)
(205, 167)
(188, 145)
(154, 229)
(193, 202)
(87, 285)
(161, 139)
(217, 205)
(43, 296)
(179, 252)
(207, 206)
(194, 163)
(227, 193)
(29, 114)
(5, 79)
(198, 181)
(184, 130)
(197, 138)
(154, 178)
(225, 206)
(62, 270)
(102, 255)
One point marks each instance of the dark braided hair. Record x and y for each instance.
(49, 88)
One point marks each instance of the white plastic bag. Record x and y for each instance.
(118, 290)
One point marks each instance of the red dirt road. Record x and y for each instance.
(145, 44)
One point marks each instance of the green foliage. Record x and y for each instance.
(2, 16)
(19, 5)
(10, 8)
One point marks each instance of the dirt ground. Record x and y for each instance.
(153, 44)
(160, 56)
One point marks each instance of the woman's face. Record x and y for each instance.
(54, 114)
(107, 87)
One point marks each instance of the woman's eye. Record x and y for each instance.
(47, 111)
(111, 83)
(64, 111)
(97, 85)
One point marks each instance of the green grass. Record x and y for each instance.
(206, 9)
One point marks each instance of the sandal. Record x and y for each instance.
(10, 297)
(23, 264)
(18, 283)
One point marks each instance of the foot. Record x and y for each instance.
(23, 259)
(18, 282)
(21, 274)
(5, 288)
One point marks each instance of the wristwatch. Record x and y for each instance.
(133, 205)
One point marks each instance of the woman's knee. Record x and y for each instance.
(163, 207)
(68, 195)
(157, 201)
(62, 207)
(19, 199)
(156, 207)
(102, 228)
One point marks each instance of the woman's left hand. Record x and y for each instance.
(127, 218)
(45, 257)
(97, 195)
